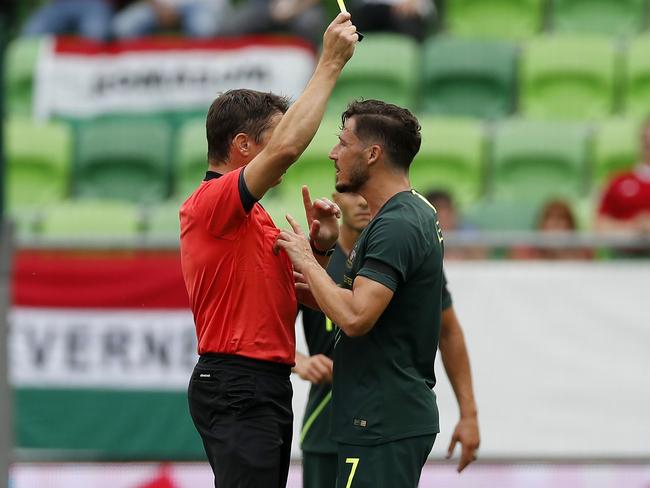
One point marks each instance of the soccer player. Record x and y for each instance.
(384, 414)
(319, 451)
(241, 293)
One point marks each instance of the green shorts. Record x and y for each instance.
(318, 470)
(396, 464)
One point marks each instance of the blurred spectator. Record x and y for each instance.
(409, 17)
(304, 18)
(556, 217)
(625, 204)
(196, 18)
(449, 222)
(87, 18)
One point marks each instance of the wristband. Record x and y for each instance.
(317, 251)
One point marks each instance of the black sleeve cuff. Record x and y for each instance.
(248, 201)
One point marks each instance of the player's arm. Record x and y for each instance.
(298, 126)
(355, 311)
(456, 362)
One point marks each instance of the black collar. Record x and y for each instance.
(211, 175)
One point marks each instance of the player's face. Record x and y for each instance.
(354, 210)
(349, 156)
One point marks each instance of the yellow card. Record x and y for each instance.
(342, 6)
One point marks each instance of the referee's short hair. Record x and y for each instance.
(395, 128)
(235, 111)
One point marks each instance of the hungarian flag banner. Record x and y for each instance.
(101, 348)
(78, 78)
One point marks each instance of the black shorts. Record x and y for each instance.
(318, 470)
(241, 407)
(396, 464)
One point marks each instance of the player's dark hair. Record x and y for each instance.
(235, 111)
(395, 128)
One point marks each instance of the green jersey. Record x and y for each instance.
(383, 380)
(319, 334)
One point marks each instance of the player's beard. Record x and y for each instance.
(359, 175)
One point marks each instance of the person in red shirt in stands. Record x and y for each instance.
(625, 205)
(241, 293)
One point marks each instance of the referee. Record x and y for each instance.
(242, 293)
(384, 414)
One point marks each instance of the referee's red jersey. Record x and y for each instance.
(242, 295)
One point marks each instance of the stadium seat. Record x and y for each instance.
(570, 78)
(191, 160)
(452, 157)
(468, 78)
(395, 79)
(616, 148)
(21, 59)
(607, 17)
(38, 161)
(162, 220)
(535, 161)
(637, 91)
(496, 19)
(489, 216)
(92, 219)
(123, 158)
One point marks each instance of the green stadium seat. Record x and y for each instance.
(535, 161)
(571, 78)
(637, 91)
(607, 17)
(191, 161)
(162, 220)
(21, 58)
(469, 78)
(616, 148)
(38, 161)
(92, 219)
(394, 80)
(496, 19)
(123, 158)
(490, 216)
(452, 157)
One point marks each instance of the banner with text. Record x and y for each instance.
(77, 78)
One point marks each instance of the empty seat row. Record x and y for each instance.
(145, 161)
(521, 19)
(572, 78)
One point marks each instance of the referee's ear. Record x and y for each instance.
(241, 144)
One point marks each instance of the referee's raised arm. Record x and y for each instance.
(298, 126)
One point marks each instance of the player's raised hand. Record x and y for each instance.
(466, 432)
(339, 40)
(322, 219)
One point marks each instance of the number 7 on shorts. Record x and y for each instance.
(354, 462)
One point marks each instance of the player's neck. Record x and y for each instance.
(377, 191)
(347, 237)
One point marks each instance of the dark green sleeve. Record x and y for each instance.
(446, 296)
(393, 243)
